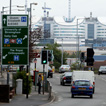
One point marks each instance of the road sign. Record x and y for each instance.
(15, 40)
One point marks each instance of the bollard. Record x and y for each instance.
(19, 86)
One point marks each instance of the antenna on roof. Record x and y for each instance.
(69, 10)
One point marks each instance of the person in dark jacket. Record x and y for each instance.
(39, 83)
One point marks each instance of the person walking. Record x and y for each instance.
(39, 83)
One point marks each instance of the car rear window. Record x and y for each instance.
(82, 83)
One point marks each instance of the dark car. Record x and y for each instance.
(82, 87)
(50, 72)
(65, 78)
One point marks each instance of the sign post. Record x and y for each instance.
(15, 40)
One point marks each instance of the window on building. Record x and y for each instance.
(91, 31)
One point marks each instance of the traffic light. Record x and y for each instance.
(49, 55)
(90, 59)
(82, 56)
(44, 58)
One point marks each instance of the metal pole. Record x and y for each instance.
(30, 17)
(78, 43)
(62, 54)
(43, 78)
(10, 6)
(27, 83)
(8, 75)
(44, 20)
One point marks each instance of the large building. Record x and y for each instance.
(87, 31)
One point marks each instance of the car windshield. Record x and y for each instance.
(102, 67)
(82, 83)
(68, 74)
(66, 66)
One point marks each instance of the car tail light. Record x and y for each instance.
(64, 78)
(73, 87)
(62, 68)
(90, 87)
(93, 83)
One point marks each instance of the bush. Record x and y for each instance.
(22, 75)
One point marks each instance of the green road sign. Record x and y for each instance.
(14, 56)
(15, 40)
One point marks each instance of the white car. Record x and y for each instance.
(102, 69)
(64, 68)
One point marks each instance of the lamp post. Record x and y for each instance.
(10, 6)
(31, 14)
(62, 53)
(77, 56)
(13, 9)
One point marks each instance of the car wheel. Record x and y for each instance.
(98, 73)
(91, 96)
(72, 95)
(63, 84)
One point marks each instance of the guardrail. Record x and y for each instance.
(49, 89)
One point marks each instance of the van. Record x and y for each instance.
(86, 75)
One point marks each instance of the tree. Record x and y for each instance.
(57, 55)
(33, 37)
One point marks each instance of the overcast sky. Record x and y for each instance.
(60, 7)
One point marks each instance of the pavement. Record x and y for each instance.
(34, 99)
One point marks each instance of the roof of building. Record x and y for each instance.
(61, 21)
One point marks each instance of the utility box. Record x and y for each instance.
(19, 88)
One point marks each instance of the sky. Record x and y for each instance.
(60, 7)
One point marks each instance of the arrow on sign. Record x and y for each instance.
(25, 37)
(4, 57)
(4, 21)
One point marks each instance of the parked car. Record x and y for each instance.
(102, 70)
(82, 87)
(50, 72)
(65, 78)
(64, 68)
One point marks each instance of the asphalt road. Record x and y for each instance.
(63, 95)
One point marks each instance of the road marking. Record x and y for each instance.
(103, 79)
(60, 98)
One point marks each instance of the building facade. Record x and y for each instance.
(90, 31)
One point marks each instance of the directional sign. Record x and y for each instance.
(15, 40)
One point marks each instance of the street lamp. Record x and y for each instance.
(62, 53)
(13, 9)
(31, 14)
(78, 41)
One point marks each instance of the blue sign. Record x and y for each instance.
(16, 57)
(19, 40)
(23, 19)
(6, 41)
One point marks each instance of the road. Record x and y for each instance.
(63, 94)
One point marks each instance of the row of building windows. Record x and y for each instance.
(67, 29)
(101, 32)
(68, 32)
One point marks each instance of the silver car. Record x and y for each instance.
(64, 68)
(102, 69)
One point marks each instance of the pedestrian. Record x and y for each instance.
(39, 83)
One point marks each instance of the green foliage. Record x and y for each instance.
(22, 75)
(57, 55)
